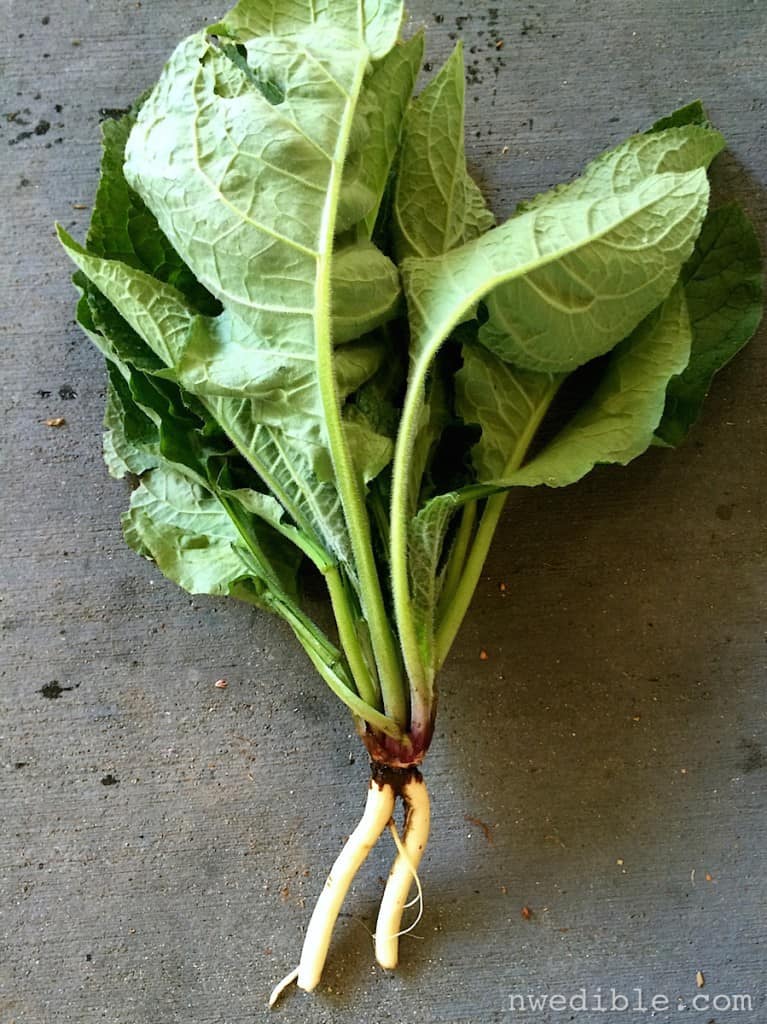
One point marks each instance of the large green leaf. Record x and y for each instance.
(149, 425)
(249, 202)
(437, 205)
(723, 285)
(563, 283)
(614, 425)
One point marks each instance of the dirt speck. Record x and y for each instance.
(53, 690)
(486, 829)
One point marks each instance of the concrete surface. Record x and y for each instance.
(162, 840)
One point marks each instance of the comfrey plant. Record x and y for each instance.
(322, 349)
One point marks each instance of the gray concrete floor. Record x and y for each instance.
(162, 840)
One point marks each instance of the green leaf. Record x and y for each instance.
(437, 205)
(617, 423)
(383, 104)
(186, 530)
(375, 23)
(357, 362)
(571, 278)
(247, 192)
(691, 113)
(723, 285)
(109, 332)
(375, 137)
(243, 198)
(563, 283)
(155, 311)
(293, 460)
(372, 452)
(506, 402)
(380, 397)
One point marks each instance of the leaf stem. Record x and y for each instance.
(456, 610)
(421, 677)
(367, 683)
(458, 556)
(329, 663)
(349, 486)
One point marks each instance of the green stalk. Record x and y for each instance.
(321, 652)
(456, 610)
(420, 677)
(367, 683)
(371, 597)
(312, 638)
(458, 556)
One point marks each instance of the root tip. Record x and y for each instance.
(280, 987)
(387, 961)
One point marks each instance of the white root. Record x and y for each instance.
(378, 810)
(403, 872)
(376, 816)
(280, 987)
